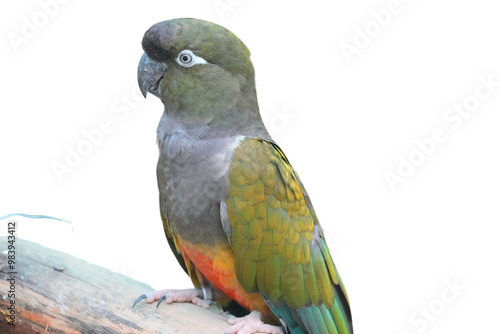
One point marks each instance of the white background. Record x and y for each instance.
(342, 124)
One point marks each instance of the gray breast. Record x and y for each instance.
(192, 180)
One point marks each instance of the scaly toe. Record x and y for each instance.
(251, 324)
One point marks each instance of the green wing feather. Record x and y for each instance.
(279, 246)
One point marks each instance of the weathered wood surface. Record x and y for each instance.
(58, 293)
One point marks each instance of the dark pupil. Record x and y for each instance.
(185, 58)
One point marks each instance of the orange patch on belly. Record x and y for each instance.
(217, 266)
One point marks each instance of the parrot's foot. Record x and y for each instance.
(194, 296)
(251, 324)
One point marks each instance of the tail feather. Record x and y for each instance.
(339, 319)
(319, 319)
(307, 317)
(341, 311)
(314, 319)
(330, 322)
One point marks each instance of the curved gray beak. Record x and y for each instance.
(149, 74)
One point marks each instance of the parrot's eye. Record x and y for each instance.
(187, 58)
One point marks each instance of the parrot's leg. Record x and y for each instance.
(194, 296)
(251, 324)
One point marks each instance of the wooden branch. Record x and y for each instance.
(58, 293)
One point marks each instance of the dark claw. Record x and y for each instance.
(141, 297)
(211, 302)
(160, 300)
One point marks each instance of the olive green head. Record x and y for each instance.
(198, 69)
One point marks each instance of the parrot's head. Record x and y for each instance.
(201, 71)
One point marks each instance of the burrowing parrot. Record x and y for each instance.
(234, 211)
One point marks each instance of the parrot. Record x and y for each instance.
(235, 213)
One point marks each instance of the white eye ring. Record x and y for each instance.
(187, 58)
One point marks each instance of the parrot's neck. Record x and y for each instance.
(241, 120)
